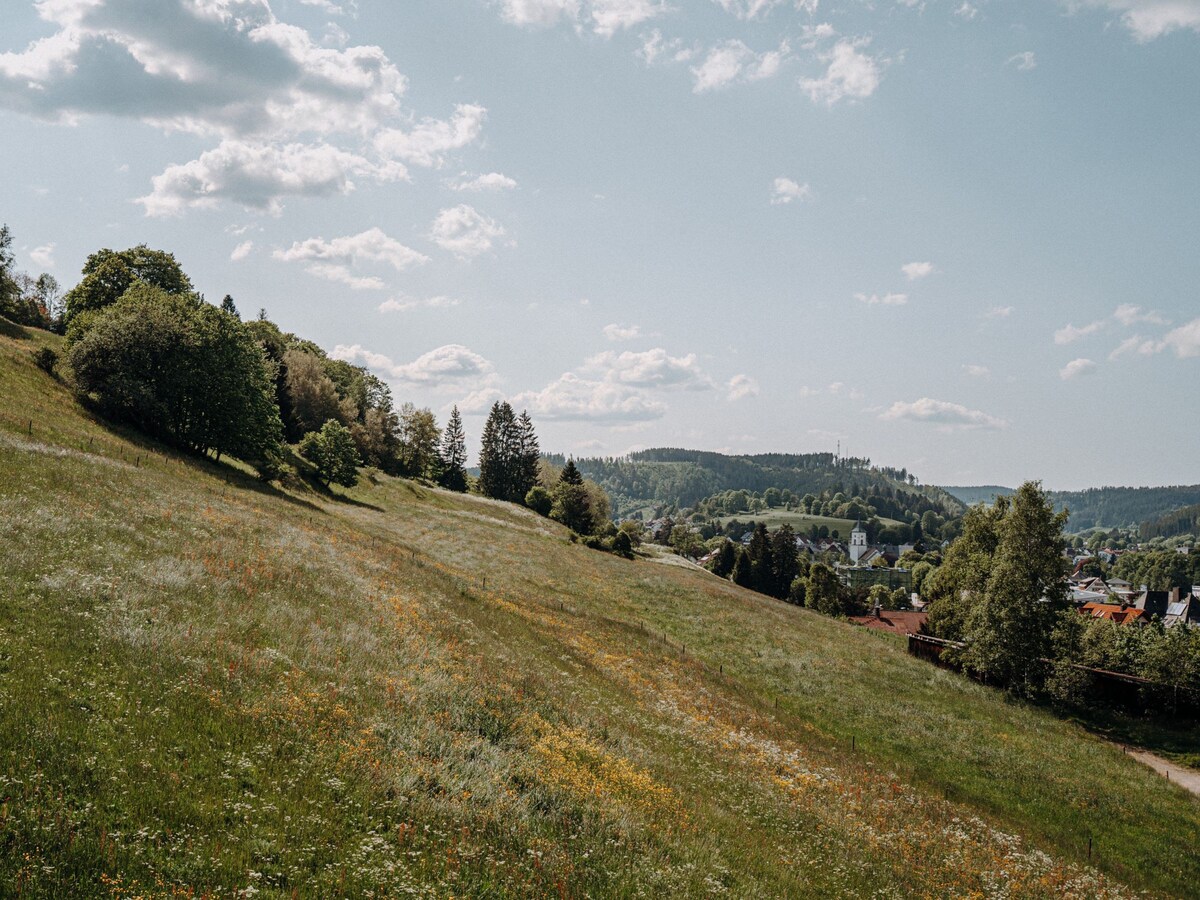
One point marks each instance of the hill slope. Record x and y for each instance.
(209, 684)
(1105, 507)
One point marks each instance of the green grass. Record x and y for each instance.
(209, 685)
(801, 522)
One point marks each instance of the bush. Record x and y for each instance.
(622, 545)
(331, 450)
(539, 500)
(46, 360)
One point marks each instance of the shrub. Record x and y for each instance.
(539, 500)
(46, 360)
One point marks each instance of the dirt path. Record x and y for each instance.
(1189, 779)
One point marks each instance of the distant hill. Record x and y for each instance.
(1185, 520)
(681, 478)
(1105, 507)
(984, 493)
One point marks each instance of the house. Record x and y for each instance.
(1155, 603)
(1122, 614)
(1183, 611)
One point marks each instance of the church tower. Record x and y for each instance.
(858, 543)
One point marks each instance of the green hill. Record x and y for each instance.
(210, 686)
(647, 479)
(1105, 507)
(984, 493)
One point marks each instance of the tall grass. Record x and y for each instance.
(207, 686)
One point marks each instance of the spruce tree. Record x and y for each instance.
(528, 457)
(498, 455)
(786, 565)
(227, 305)
(743, 571)
(762, 560)
(454, 454)
(725, 559)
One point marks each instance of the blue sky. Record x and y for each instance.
(955, 236)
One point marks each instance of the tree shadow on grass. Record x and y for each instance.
(1176, 740)
(13, 330)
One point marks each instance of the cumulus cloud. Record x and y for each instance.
(43, 256)
(606, 16)
(452, 365)
(1184, 340)
(785, 190)
(492, 181)
(741, 386)
(1150, 19)
(241, 251)
(428, 142)
(947, 416)
(1128, 314)
(732, 62)
(1025, 61)
(649, 368)
(1075, 368)
(916, 270)
(464, 231)
(849, 74)
(260, 176)
(617, 332)
(571, 398)
(1068, 334)
(888, 299)
(748, 9)
(372, 245)
(403, 304)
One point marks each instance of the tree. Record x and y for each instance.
(227, 305)
(331, 451)
(419, 442)
(786, 563)
(824, 591)
(572, 503)
(723, 562)
(311, 396)
(622, 545)
(762, 560)
(539, 500)
(181, 370)
(108, 274)
(453, 455)
(497, 453)
(743, 569)
(525, 469)
(1005, 591)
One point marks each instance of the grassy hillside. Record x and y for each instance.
(209, 685)
(985, 493)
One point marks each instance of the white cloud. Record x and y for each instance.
(999, 312)
(541, 13)
(915, 270)
(741, 386)
(606, 16)
(784, 190)
(966, 11)
(372, 245)
(734, 61)
(1128, 346)
(610, 16)
(977, 371)
(849, 74)
(326, 6)
(617, 332)
(748, 9)
(492, 181)
(1150, 19)
(218, 67)
(571, 398)
(1025, 61)
(1184, 340)
(1075, 368)
(343, 275)
(1069, 333)
(888, 299)
(947, 416)
(260, 176)
(428, 142)
(464, 231)
(241, 251)
(403, 304)
(449, 366)
(1128, 314)
(43, 256)
(649, 368)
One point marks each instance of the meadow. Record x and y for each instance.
(801, 523)
(214, 687)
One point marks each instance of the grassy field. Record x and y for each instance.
(801, 522)
(214, 687)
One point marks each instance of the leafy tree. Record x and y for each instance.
(377, 439)
(920, 573)
(453, 455)
(419, 442)
(332, 452)
(824, 592)
(687, 542)
(181, 370)
(880, 596)
(1009, 624)
(312, 398)
(622, 545)
(108, 274)
(966, 570)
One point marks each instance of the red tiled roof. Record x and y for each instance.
(1122, 615)
(900, 622)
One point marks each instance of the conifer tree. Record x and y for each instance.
(227, 305)
(743, 571)
(762, 560)
(528, 456)
(725, 559)
(498, 455)
(454, 454)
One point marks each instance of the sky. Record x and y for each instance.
(960, 236)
